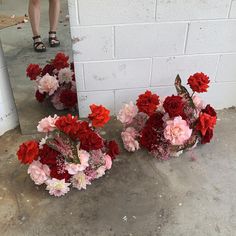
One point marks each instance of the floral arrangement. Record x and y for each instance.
(72, 153)
(55, 82)
(169, 126)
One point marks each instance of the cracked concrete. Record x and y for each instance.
(191, 195)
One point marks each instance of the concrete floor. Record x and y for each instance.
(19, 53)
(140, 196)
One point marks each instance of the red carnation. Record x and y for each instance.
(174, 106)
(207, 137)
(209, 110)
(68, 98)
(32, 71)
(48, 69)
(91, 141)
(149, 138)
(155, 121)
(199, 82)
(60, 61)
(99, 116)
(147, 102)
(28, 152)
(205, 122)
(40, 96)
(113, 149)
(69, 125)
(59, 172)
(48, 155)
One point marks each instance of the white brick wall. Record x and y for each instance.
(121, 48)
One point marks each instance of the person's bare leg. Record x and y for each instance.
(34, 15)
(54, 11)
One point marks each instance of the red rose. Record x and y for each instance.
(48, 155)
(91, 141)
(155, 121)
(209, 110)
(69, 125)
(149, 138)
(28, 152)
(147, 102)
(32, 71)
(99, 116)
(174, 106)
(60, 61)
(205, 122)
(59, 172)
(113, 149)
(199, 82)
(39, 96)
(48, 69)
(68, 98)
(207, 137)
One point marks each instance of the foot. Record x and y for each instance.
(53, 41)
(38, 44)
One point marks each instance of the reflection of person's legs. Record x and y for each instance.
(54, 11)
(34, 14)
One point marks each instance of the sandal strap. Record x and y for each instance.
(36, 37)
(52, 32)
(36, 44)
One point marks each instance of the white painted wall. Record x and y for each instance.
(8, 113)
(123, 47)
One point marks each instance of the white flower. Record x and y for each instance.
(80, 180)
(65, 75)
(42, 142)
(57, 187)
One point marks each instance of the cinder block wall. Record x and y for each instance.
(123, 47)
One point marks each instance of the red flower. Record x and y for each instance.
(69, 125)
(91, 141)
(113, 149)
(60, 61)
(155, 121)
(199, 82)
(147, 102)
(149, 138)
(207, 137)
(205, 122)
(174, 106)
(32, 71)
(99, 116)
(48, 155)
(59, 172)
(48, 69)
(39, 96)
(209, 110)
(28, 152)
(68, 98)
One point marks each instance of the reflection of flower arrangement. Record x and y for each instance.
(56, 81)
(166, 128)
(72, 154)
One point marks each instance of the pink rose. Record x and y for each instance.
(48, 84)
(108, 162)
(47, 124)
(128, 137)
(177, 131)
(38, 172)
(127, 113)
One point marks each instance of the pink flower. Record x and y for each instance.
(48, 84)
(177, 131)
(198, 102)
(108, 162)
(57, 187)
(56, 101)
(80, 181)
(139, 121)
(65, 75)
(101, 171)
(127, 113)
(38, 172)
(128, 137)
(47, 124)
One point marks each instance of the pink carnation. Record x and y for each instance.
(177, 131)
(57, 187)
(100, 171)
(47, 124)
(56, 101)
(80, 181)
(108, 162)
(127, 113)
(48, 84)
(65, 75)
(128, 137)
(38, 172)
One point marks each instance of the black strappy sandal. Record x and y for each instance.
(53, 41)
(38, 45)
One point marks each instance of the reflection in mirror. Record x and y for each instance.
(39, 94)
